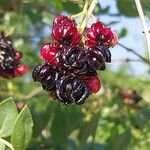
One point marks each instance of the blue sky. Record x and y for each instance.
(135, 39)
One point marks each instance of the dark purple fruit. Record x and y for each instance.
(71, 89)
(47, 75)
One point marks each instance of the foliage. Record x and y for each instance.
(103, 122)
(17, 127)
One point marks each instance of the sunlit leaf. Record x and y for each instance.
(8, 114)
(22, 131)
(120, 142)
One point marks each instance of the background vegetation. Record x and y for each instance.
(118, 117)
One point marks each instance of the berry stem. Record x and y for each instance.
(85, 9)
(81, 14)
(85, 14)
(88, 14)
(33, 93)
(7, 143)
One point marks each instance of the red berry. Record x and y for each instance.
(67, 35)
(65, 32)
(61, 19)
(98, 35)
(114, 40)
(94, 84)
(21, 70)
(49, 53)
(18, 55)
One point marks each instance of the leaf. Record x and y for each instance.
(65, 121)
(8, 114)
(57, 5)
(70, 7)
(42, 111)
(142, 119)
(99, 10)
(127, 8)
(88, 128)
(95, 146)
(123, 32)
(22, 131)
(59, 128)
(33, 14)
(120, 142)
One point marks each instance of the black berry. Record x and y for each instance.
(71, 89)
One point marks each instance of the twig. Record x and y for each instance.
(146, 30)
(132, 51)
(85, 8)
(126, 60)
(33, 93)
(89, 13)
(7, 143)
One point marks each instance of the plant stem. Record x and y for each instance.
(33, 93)
(141, 15)
(84, 11)
(131, 50)
(7, 143)
(88, 14)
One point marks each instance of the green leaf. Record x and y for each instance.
(42, 111)
(88, 128)
(120, 142)
(99, 10)
(33, 14)
(65, 121)
(71, 7)
(123, 32)
(127, 8)
(59, 128)
(22, 131)
(2, 146)
(8, 114)
(95, 146)
(142, 118)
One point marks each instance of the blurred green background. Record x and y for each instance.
(116, 118)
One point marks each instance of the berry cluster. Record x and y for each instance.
(10, 66)
(130, 97)
(71, 65)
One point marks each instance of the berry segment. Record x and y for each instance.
(69, 73)
(94, 84)
(99, 35)
(49, 53)
(61, 19)
(21, 70)
(71, 89)
(65, 32)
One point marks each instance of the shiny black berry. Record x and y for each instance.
(47, 75)
(71, 89)
(75, 60)
(96, 58)
(105, 52)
